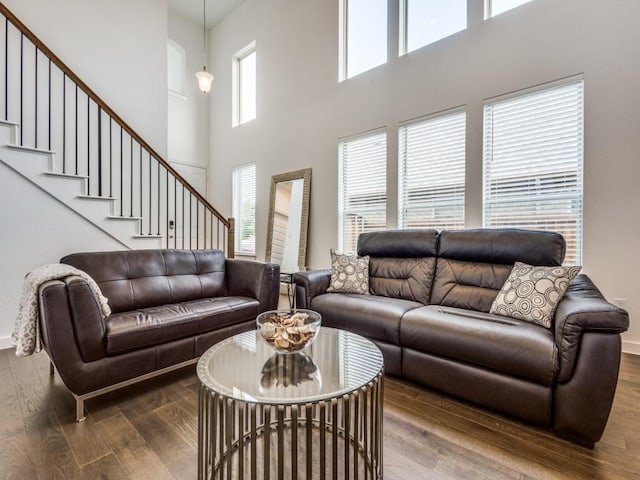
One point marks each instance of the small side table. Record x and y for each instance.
(286, 277)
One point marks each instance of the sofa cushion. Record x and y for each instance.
(533, 293)
(473, 265)
(372, 316)
(156, 325)
(349, 274)
(146, 278)
(498, 343)
(402, 262)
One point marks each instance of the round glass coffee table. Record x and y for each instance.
(316, 414)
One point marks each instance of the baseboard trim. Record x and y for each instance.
(5, 342)
(631, 347)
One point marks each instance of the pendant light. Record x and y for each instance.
(205, 79)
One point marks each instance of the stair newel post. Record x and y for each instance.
(231, 238)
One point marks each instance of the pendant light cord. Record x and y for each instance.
(204, 33)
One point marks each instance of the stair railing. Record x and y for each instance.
(57, 111)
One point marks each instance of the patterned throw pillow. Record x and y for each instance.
(349, 274)
(533, 293)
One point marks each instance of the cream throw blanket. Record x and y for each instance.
(26, 331)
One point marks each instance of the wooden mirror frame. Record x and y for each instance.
(305, 175)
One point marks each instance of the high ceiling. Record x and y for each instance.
(216, 9)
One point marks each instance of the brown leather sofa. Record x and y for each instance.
(428, 312)
(168, 307)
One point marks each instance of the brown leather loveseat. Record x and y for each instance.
(168, 307)
(428, 312)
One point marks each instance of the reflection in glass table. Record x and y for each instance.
(316, 414)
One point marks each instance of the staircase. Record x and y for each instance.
(63, 138)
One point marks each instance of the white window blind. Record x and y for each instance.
(533, 163)
(362, 188)
(244, 208)
(431, 174)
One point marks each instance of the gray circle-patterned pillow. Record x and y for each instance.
(349, 274)
(533, 293)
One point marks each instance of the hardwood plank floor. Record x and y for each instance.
(150, 431)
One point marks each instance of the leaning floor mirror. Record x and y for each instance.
(289, 219)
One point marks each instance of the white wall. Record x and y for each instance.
(188, 115)
(302, 110)
(117, 47)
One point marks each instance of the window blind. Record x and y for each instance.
(533, 163)
(431, 173)
(244, 208)
(362, 188)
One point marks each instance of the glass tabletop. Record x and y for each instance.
(244, 367)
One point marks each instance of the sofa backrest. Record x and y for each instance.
(472, 265)
(147, 278)
(402, 262)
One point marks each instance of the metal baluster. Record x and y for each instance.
(121, 176)
(76, 137)
(158, 193)
(197, 224)
(175, 212)
(99, 151)
(190, 220)
(167, 210)
(88, 144)
(64, 122)
(6, 68)
(21, 86)
(131, 177)
(141, 214)
(49, 99)
(110, 157)
(150, 215)
(35, 118)
(183, 222)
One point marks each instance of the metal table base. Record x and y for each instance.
(339, 438)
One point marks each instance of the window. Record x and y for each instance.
(176, 61)
(244, 80)
(431, 172)
(362, 188)
(244, 208)
(363, 36)
(533, 163)
(496, 7)
(426, 21)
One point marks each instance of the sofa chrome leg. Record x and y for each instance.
(80, 409)
(52, 369)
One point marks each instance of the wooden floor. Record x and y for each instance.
(149, 431)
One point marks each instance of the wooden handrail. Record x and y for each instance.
(96, 98)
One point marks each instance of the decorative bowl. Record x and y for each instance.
(288, 331)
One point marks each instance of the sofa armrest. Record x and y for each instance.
(583, 309)
(84, 316)
(310, 284)
(254, 279)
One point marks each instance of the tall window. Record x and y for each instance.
(533, 145)
(244, 85)
(362, 188)
(363, 36)
(426, 21)
(176, 67)
(244, 208)
(431, 172)
(496, 7)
